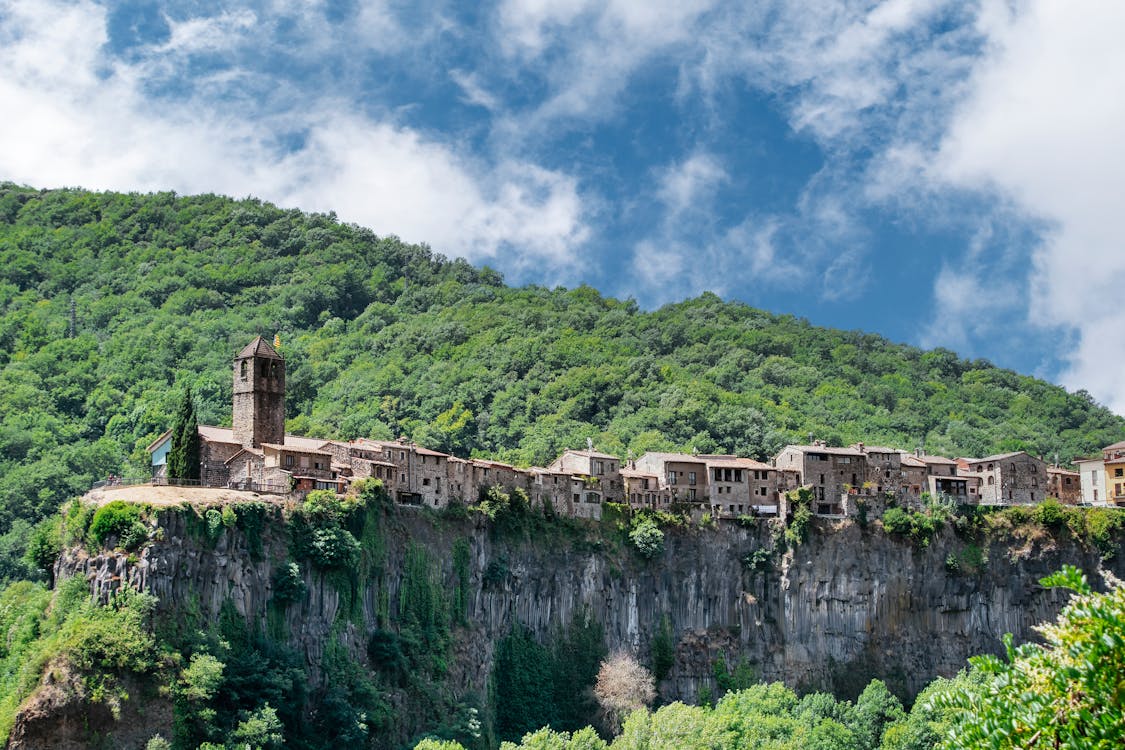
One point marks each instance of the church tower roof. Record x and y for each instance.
(259, 347)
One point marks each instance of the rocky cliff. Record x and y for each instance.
(848, 605)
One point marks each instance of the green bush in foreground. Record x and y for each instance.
(1065, 693)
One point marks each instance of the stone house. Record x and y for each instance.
(831, 474)
(684, 476)
(485, 474)
(915, 476)
(303, 460)
(645, 489)
(1010, 478)
(601, 470)
(416, 475)
(552, 489)
(740, 487)
(1064, 485)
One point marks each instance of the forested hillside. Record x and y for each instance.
(111, 302)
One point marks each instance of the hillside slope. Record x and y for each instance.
(111, 302)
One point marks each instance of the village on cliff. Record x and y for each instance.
(256, 455)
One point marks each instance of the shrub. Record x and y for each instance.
(1050, 513)
(1065, 692)
(797, 529)
(921, 527)
(118, 520)
(896, 521)
(288, 584)
(333, 547)
(648, 539)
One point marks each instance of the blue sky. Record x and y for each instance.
(943, 173)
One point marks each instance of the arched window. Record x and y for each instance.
(242, 369)
(991, 481)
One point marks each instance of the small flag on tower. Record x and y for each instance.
(276, 340)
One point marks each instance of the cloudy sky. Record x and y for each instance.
(945, 173)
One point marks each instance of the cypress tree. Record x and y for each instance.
(183, 456)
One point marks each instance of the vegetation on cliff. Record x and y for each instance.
(111, 304)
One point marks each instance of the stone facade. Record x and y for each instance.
(741, 487)
(1010, 478)
(602, 473)
(1064, 485)
(259, 395)
(831, 473)
(685, 476)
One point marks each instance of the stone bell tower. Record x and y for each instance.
(259, 395)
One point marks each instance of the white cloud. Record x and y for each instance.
(474, 92)
(587, 51)
(684, 185)
(77, 117)
(1043, 126)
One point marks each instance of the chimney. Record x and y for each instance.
(859, 446)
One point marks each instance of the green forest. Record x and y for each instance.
(112, 303)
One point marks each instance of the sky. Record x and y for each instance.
(945, 173)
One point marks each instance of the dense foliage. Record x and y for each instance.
(94, 644)
(112, 303)
(763, 717)
(1067, 692)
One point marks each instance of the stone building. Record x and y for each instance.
(1064, 485)
(258, 414)
(740, 487)
(684, 476)
(601, 473)
(831, 474)
(645, 489)
(1010, 478)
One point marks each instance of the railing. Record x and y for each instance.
(247, 486)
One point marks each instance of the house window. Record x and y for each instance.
(991, 481)
(288, 460)
(691, 494)
(1118, 472)
(691, 477)
(599, 467)
(425, 481)
(671, 477)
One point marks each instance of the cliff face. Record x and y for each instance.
(848, 605)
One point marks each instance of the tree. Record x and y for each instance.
(1065, 693)
(623, 686)
(183, 457)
